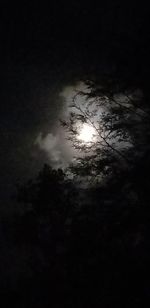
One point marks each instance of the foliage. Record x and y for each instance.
(91, 251)
(121, 123)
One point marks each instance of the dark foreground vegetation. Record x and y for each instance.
(74, 248)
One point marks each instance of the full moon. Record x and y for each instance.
(87, 133)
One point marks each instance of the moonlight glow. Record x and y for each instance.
(87, 133)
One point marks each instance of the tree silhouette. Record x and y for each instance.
(121, 122)
(49, 192)
(86, 251)
(43, 227)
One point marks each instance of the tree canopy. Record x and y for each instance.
(120, 117)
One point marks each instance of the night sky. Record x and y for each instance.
(48, 55)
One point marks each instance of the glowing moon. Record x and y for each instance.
(86, 133)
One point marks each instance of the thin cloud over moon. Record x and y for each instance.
(55, 144)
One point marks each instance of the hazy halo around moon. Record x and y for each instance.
(86, 133)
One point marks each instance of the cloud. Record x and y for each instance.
(57, 148)
(53, 146)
